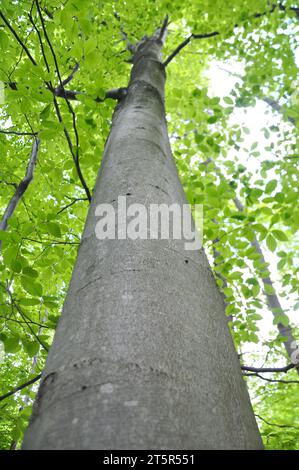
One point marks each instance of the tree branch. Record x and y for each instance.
(71, 203)
(18, 38)
(51, 242)
(177, 50)
(23, 316)
(216, 33)
(186, 41)
(20, 387)
(21, 188)
(277, 107)
(163, 30)
(276, 425)
(58, 113)
(70, 77)
(114, 93)
(256, 374)
(269, 369)
(8, 132)
(75, 155)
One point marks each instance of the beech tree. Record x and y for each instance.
(142, 356)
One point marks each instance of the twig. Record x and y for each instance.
(19, 310)
(8, 132)
(20, 387)
(26, 322)
(18, 38)
(71, 203)
(52, 242)
(256, 374)
(276, 425)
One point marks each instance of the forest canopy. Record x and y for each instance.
(232, 111)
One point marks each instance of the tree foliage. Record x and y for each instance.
(51, 48)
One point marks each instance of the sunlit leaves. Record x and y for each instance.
(33, 288)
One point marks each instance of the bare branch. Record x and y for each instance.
(18, 38)
(40, 42)
(277, 107)
(269, 369)
(51, 242)
(256, 374)
(216, 33)
(48, 41)
(186, 41)
(177, 50)
(75, 155)
(20, 387)
(24, 317)
(114, 93)
(71, 203)
(163, 30)
(8, 132)
(276, 425)
(21, 188)
(70, 77)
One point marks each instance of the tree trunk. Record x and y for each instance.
(142, 357)
(273, 300)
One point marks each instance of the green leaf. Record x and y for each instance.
(44, 114)
(16, 266)
(29, 302)
(271, 242)
(281, 318)
(12, 344)
(212, 119)
(228, 100)
(28, 271)
(33, 288)
(280, 235)
(54, 229)
(31, 347)
(270, 186)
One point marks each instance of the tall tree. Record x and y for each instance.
(58, 61)
(131, 360)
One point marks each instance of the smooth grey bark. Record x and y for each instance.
(272, 299)
(142, 357)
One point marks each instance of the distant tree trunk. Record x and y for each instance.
(142, 357)
(273, 300)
